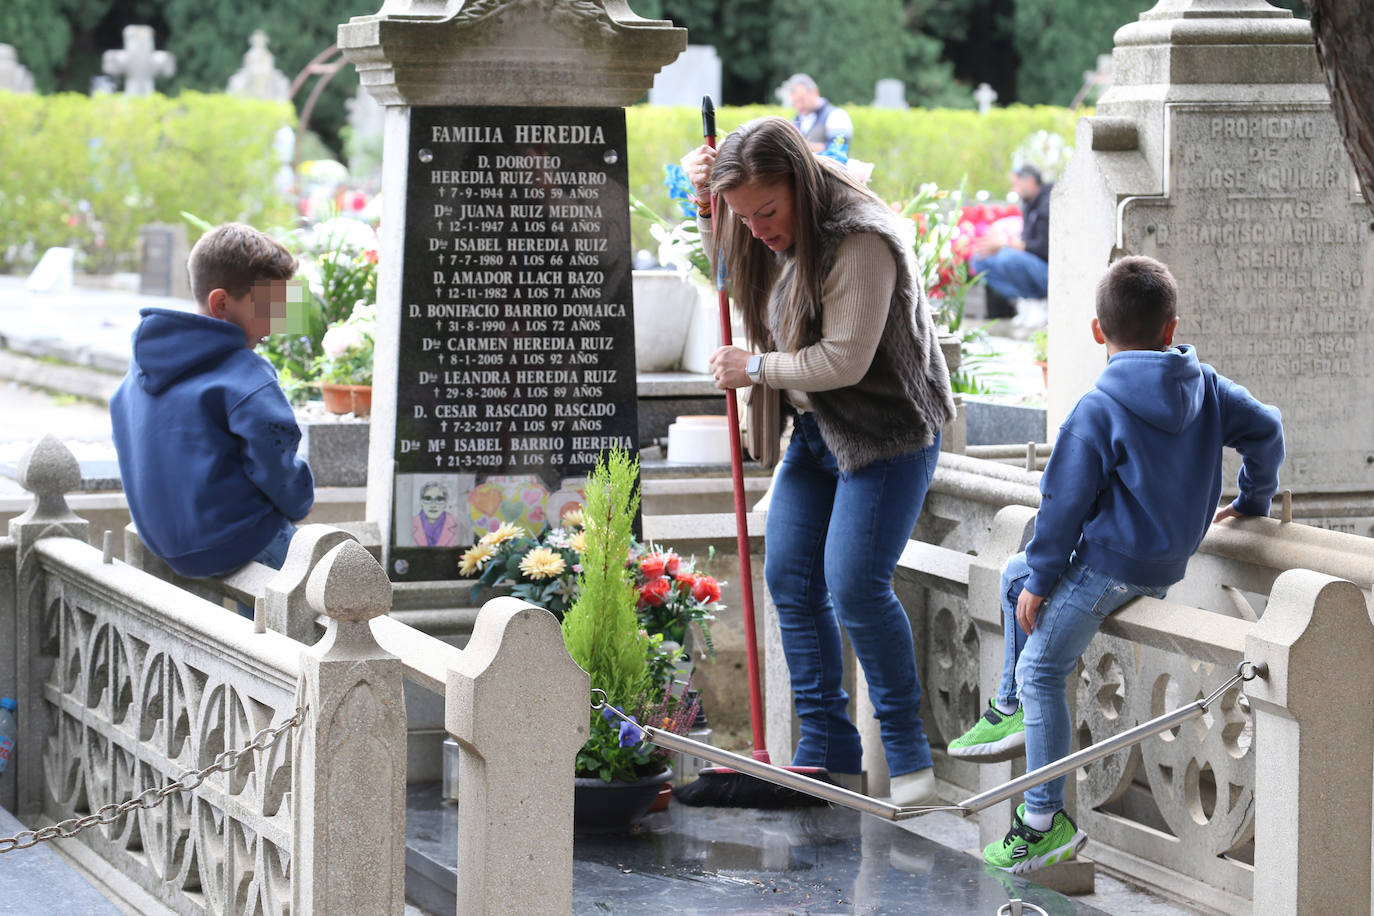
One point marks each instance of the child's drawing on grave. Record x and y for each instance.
(436, 513)
(524, 501)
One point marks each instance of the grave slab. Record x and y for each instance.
(720, 860)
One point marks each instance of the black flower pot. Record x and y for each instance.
(601, 805)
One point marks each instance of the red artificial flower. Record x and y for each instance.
(706, 590)
(671, 563)
(685, 583)
(654, 592)
(370, 255)
(652, 565)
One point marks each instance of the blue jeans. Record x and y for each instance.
(1039, 664)
(1014, 273)
(273, 555)
(833, 541)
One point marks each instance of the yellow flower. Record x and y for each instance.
(506, 532)
(542, 563)
(474, 558)
(574, 519)
(578, 542)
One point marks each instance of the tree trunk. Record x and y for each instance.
(1345, 48)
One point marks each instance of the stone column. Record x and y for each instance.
(48, 471)
(421, 55)
(518, 707)
(349, 764)
(1216, 151)
(1314, 773)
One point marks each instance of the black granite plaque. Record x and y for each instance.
(517, 366)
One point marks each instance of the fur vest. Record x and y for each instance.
(904, 399)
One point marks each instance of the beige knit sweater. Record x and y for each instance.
(854, 298)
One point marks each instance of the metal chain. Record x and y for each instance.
(152, 796)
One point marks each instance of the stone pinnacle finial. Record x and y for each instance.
(49, 471)
(349, 585)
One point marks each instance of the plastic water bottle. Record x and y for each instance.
(9, 731)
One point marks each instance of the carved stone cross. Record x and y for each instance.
(137, 62)
(984, 95)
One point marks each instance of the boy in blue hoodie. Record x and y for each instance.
(206, 439)
(1131, 486)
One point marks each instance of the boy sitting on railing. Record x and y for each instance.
(206, 439)
(1132, 483)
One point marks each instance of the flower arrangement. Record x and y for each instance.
(346, 357)
(942, 241)
(671, 597)
(679, 243)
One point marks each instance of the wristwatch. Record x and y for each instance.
(754, 368)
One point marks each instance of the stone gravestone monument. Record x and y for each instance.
(138, 63)
(259, 77)
(163, 251)
(889, 93)
(14, 76)
(694, 74)
(1216, 151)
(505, 346)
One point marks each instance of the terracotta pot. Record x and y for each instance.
(665, 795)
(354, 399)
(601, 805)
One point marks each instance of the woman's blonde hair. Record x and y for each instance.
(771, 151)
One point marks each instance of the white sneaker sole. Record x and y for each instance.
(1053, 857)
(1009, 748)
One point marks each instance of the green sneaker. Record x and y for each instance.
(1024, 849)
(996, 736)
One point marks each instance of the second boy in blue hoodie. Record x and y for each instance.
(1131, 486)
(206, 440)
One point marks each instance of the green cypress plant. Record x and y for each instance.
(601, 629)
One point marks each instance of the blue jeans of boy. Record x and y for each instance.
(273, 555)
(1035, 667)
(1014, 273)
(833, 541)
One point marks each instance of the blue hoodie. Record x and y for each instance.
(207, 444)
(1135, 476)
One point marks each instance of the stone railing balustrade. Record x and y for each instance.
(125, 680)
(1220, 781)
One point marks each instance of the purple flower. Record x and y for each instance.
(630, 732)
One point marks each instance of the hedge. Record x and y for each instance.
(89, 171)
(908, 148)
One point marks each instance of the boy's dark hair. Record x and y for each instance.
(1136, 298)
(234, 256)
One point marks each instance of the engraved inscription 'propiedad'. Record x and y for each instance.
(517, 334)
(1271, 246)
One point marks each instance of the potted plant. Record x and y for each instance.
(619, 775)
(344, 367)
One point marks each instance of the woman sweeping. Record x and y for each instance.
(829, 296)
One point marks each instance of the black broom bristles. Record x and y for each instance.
(721, 787)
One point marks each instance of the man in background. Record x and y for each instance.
(1018, 269)
(819, 121)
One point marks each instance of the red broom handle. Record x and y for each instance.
(746, 575)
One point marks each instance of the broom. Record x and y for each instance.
(723, 787)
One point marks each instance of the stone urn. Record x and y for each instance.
(607, 806)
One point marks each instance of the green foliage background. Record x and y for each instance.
(908, 148)
(135, 161)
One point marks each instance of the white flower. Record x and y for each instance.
(859, 170)
(341, 338)
(344, 233)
